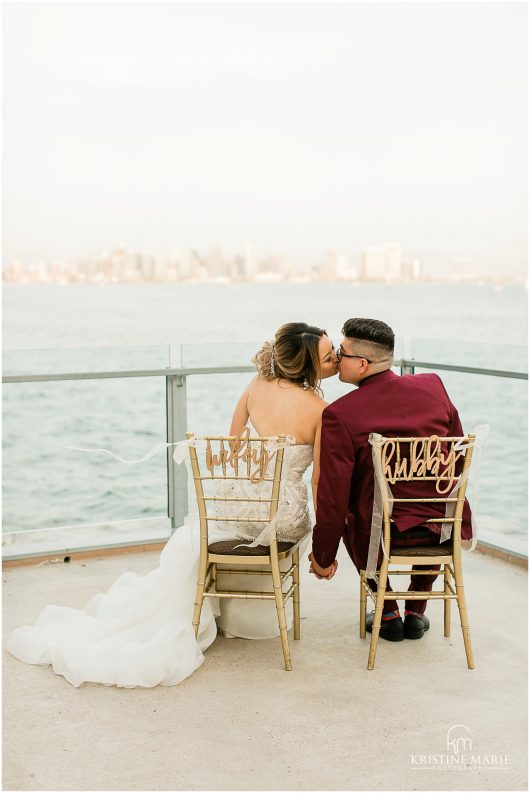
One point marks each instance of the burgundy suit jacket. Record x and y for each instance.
(410, 405)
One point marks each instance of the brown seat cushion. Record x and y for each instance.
(228, 547)
(442, 549)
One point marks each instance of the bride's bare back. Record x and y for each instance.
(279, 407)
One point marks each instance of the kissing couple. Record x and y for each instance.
(140, 633)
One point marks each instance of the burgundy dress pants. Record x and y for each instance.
(357, 547)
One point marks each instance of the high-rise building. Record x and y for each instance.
(198, 271)
(215, 264)
(373, 264)
(237, 267)
(411, 269)
(182, 263)
(382, 263)
(251, 262)
(345, 269)
(161, 270)
(124, 265)
(394, 259)
(147, 267)
(14, 272)
(463, 269)
(38, 271)
(328, 270)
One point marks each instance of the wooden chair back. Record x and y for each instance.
(235, 459)
(442, 461)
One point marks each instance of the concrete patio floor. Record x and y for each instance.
(242, 723)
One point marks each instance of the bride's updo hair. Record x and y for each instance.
(292, 355)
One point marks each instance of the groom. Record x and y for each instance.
(384, 402)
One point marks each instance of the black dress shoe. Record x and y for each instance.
(391, 630)
(415, 626)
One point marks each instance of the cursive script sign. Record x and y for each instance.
(241, 450)
(427, 457)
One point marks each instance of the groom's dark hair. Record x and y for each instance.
(371, 330)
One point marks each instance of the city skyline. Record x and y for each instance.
(302, 127)
(386, 263)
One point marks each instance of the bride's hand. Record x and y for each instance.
(322, 572)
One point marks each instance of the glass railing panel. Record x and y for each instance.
(212, 399)
(234, 354)
(502, 501)
(83, 360)
(48, 486)
(218, 354)
(504, 357)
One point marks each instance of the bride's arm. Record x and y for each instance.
(316, 465)
(241, 414)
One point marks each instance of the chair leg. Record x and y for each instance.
(447, 603)
(362, 606)
(199, 596)
(378, 616)
(280, 608)
(296, 594)
(461, 600)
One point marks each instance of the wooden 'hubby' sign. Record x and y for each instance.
(426, 457)
(241, 450)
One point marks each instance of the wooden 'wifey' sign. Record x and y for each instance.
(256, 459)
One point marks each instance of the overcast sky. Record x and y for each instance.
(299, 127)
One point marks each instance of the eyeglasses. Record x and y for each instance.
(341, 354)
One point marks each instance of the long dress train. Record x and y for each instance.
(139, 633)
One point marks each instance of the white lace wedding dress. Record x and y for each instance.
(139, 633)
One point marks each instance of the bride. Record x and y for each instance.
(139, 633)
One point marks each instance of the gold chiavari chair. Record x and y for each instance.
(412, 460)
(231, 460)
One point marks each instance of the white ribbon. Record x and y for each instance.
(179, 453)
(381, 486)
(481, 433)
(264, 537)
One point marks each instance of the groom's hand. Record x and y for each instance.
(322, 572)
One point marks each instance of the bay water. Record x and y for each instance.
(52, 328)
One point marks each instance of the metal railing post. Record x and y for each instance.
(407, 367)
(176, 426)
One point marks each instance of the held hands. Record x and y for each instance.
(322, 572)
